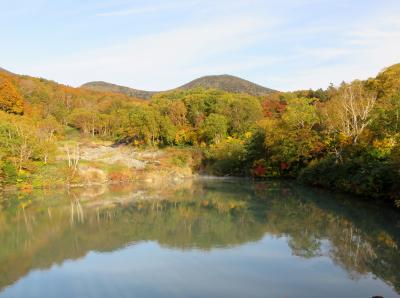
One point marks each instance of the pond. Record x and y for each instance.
(199, 238)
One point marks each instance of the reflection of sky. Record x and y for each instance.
(265, 268)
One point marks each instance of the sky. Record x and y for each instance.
(158, 45)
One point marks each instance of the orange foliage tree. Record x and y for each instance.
(10, 99)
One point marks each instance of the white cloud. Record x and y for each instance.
(160, 59)
(138, 10)
(288, 51)
(361, 51)
(326, 53)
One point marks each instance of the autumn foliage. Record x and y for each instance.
(345, 137)
(10, 99)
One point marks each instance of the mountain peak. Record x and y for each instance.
(228, 83)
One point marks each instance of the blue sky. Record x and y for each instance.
(157, 45)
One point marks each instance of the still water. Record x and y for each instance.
(202, 238)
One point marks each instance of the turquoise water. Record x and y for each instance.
(205, 238)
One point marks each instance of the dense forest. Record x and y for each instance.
(344, 138)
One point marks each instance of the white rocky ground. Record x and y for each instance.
(144, 164)
(125, 155)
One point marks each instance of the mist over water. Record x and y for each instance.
(202, 238)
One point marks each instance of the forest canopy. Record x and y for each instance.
(344, 137)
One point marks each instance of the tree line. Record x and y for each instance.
(344, 137)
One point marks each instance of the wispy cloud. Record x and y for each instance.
(154, 8)
(156, 44)
(135, 10)
(172, 54)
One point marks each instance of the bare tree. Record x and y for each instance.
(74, 157)
(350, 111)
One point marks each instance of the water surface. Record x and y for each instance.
(205, 238)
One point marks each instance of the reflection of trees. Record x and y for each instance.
(77, 214)
(360, 239)
(351, 251)
(204, 216)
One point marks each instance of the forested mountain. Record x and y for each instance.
(51, 98)
(108, 87)
(226, 83)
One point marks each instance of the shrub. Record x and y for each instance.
(375, 179)
(180, 161)
(226, 158)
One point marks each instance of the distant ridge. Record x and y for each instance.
(108, 87)
(223, 82)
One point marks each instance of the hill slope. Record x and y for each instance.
(228, 83)
(5, 70)
(108, 87)
(223, 82)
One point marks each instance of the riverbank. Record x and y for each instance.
(94, 162)
(81, 162)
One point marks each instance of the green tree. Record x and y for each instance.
(214, 128)
(300, 113)
(84, 120)
(242, 111)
